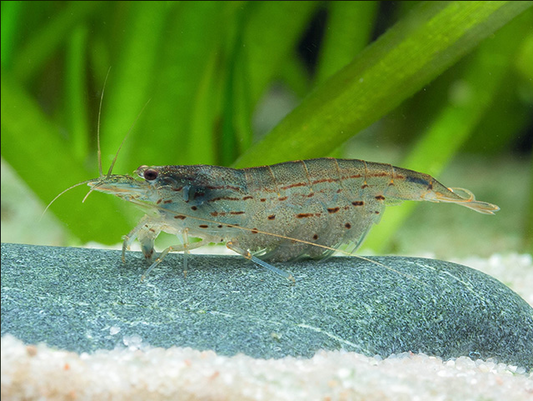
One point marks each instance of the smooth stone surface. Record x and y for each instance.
(85, 299)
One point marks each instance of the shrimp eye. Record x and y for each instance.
(150, 174)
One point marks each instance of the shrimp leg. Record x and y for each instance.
(246, 254)
(146, 234)
(186, 247)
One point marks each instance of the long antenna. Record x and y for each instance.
(66, 190)
(100, 171)
(124, 140)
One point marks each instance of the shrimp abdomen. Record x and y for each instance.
(411, 185)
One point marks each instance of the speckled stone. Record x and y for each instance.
(85, 299)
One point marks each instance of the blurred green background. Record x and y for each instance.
(445, 88)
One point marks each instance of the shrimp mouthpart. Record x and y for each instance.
(117, 184)
(123, 186)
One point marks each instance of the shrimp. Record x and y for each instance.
(271, 213)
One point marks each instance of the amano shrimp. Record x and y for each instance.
(271, 213)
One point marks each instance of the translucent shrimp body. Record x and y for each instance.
(278, 212)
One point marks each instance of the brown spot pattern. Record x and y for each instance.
(224, 198)
(324, 180)
(298, 184)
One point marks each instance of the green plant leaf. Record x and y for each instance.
(42, 45)
(132, 76)
(348, 31)
(473, 95)
(412, 53)
(76, 104)
(269, 38)
(11, 11)
(187, 58)
(20, 116)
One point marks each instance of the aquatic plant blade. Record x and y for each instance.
(407, 57)
(26, 157)
(476, 90)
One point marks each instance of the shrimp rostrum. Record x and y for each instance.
(272, 213)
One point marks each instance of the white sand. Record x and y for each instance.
(142, 373)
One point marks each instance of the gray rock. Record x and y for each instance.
(84, 299)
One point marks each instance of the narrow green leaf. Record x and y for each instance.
(20, 116)
(412, 53)
(132, 73)
(271, 31)
(295, 76)
(193, 34)
(205, 110)
(76, 95)
(11, 11)
(525, 60)
(270, 35)
(235, 94)
(40, 47)
(348, 31)
(474, 94)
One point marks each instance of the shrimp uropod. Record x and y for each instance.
(271, 213)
